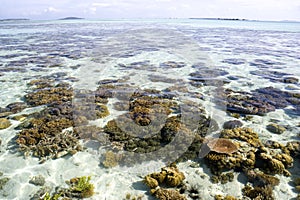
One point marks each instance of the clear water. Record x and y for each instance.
(91, 50)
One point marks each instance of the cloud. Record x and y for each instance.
(101, 4)
(51, 9)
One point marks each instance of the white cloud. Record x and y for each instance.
(51, 9)
(163, 0)
(101, 4)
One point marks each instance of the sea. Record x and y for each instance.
(191, 60)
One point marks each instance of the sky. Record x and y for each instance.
(109, 9)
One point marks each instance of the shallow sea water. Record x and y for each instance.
(83, 52)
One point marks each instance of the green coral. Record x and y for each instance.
(3, 182)
(79, 188)
(49, 197)
(82, 186)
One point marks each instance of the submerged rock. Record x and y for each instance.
(259, 101)
(4, 123)
(292, 80)
(208, 76)
(112, 159)
(172, 64)
(275, 128)
(38, 180)
(232, 124)
(234, 61)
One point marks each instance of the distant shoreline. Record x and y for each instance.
(70, 18)
(228, 19)
(12, 19)
(122, 19)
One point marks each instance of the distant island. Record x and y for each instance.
(71, 18)
(13, 19)
(229, 19)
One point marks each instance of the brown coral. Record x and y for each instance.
(222, 145)
(170, 176)
(111, 159)
(243, 134)
(49, 95)
(168, 194)
(259, 193)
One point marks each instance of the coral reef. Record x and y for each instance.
(44, 134)
(260, 193)
(245, 103)
(271, 157)
(172, 64)
(145, 104)
(221, 145)
(223, 178)
(45, 137)
(259, 161)
(79, 188)
(167, 194)
(133, 197)
(12, 108)
(246, 140)
(154, 127)
(293, 148)
(297, 186)
(3, 180)
(90, 104)
(207, 76)
(169, 176)
(260, 101)
(260, 179)
(274, 158)
(48, 95)
(92, 133)
(242, 134)
(227, 197)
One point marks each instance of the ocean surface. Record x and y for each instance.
(195, 65)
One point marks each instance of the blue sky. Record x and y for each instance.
(249, 9)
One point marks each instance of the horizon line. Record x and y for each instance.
(149, 18)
